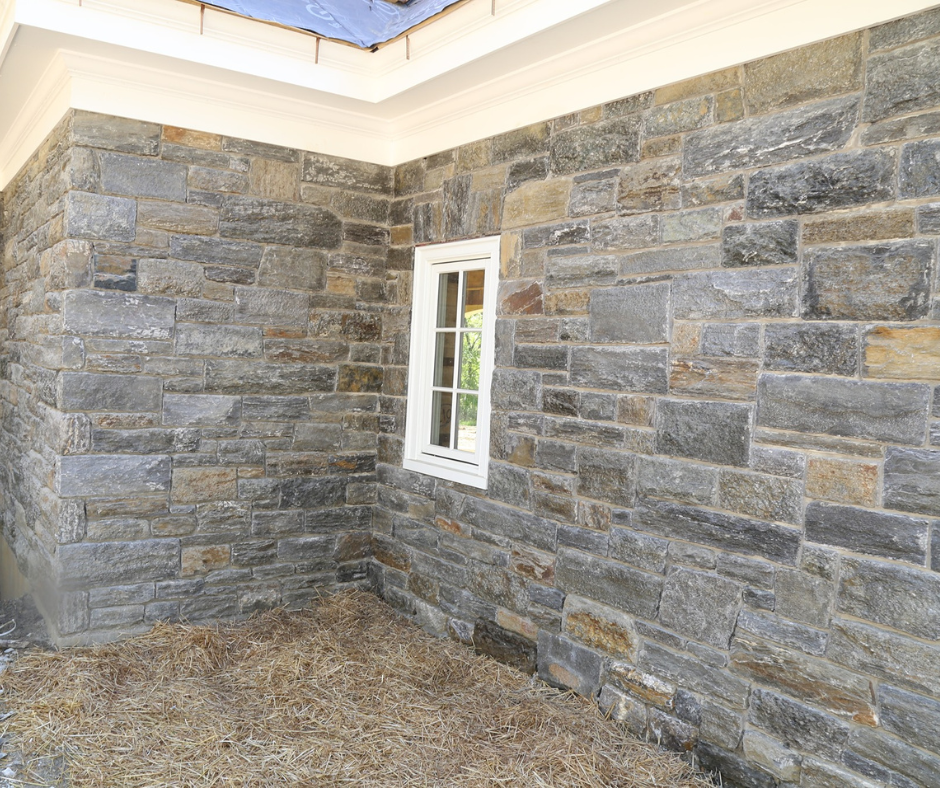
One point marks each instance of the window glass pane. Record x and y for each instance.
(447, 300)
(470, 343)
(444, 358)
(467, 422)
(440, 418)
(473, 299)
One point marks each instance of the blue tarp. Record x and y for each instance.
(361, 22)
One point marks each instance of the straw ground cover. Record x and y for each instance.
(345, 693)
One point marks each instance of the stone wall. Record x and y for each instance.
(716, 448)
(194, 340)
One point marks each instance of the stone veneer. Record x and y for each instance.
(714, 495)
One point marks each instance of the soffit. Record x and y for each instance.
(465, 76)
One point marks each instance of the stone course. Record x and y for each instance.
(712, 500)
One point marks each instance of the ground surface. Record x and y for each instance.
(347, 693)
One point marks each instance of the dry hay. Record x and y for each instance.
(346, 693)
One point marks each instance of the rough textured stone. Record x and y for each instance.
(798, 725)
(730, 295)
(710, 431)
(839, 181)
(237, 377)
(919, 766)
(508, 647)
(99, 217)
(701, 606)
(912, 480)
(606, 476)
(119, 562)
(726, 378)
(196, 339)
(772, 756)
(914, 718)
(651, 186)
(599, 627)
(722, 531)
(288, 267)
(620, 368)
(113, 475)
(133, 176)
(110, 314)
(201, 409)
(672, 258)
(902, 353)
(111, 133)
(896, 596)
(756, 495)
(215, 250)
(675, 480)
(593, 147)
(809, 72)
(881, 411)
(770, 243)
(638, 314)
(868, 226)
(87, 391)
(347, 173)
(920, 169)
(689, 226)
(902, 81)
(694, 674)
(625, 232)
(608, 582)
(683, 115)
(811, 348)
(563, 663)
(806, 131)
(536, 202)
(270, 221)
(842, 481)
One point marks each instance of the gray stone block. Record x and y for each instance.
(297, 269)
(262, 149)
(271, 307)
(721, 531)
(112, 315)
(675, 480)
(717, 432)
(757, 495)
(689, 226)
(133, 176)
(829, 348)
(902, 81)
(806, 131)
(896, 596)
(247, 377)
(644, 552)
(200, 339)
(625, 232)
(608, 582)
(804, 597)
(679, 116)
(919, 766)
(99, 217)
(347, 173)
(693, 674)
(905, 30)
(839, 181)
(912, 717)
(700, 606)
(779, 630)
(766, 243)
(115, 563)
(313, 493)
(105, 475)
(772, 756)
(111, 133)
(85, 391)
(306, 548)
(637, 314)
(732, 340)
(798, 725)
(912, 480)
(269, 221)
(895, 412)
(177, 217)
(592, 147)
(733, 295)
(920, 169)
(607, 476)
(215, 250)
(620, 369)
(504, 646)
(516, 390)
(735, 771)
(563, 663)
(209, 410)
(564, 271)
(885, 654)
(562, 234)
(881, 282)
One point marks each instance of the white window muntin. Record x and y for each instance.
(421, 454)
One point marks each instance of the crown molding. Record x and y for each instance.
(246, 79)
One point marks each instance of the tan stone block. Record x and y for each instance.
(842, 481)
(568, 302)
(728, 378)
(204, 559)
(340, 284)
(516, 623)
(402, 235)
(871, 226)
(492, 178)
(474, 156)
(218, 291)
(612, 637)
(698, 86)
(729, 105)
(592, 114)
(635, 409)
(643, 685)
(192, 139)
(274, 180)
(827, 68)
(195, 485)
(532, 564)
(537, 202)
(686, 338)
(661, 146)
(903, 353)
(434, 179)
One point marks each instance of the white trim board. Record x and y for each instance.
(471, 75)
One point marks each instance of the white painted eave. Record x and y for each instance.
(470, 74)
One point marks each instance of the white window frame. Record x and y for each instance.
(420, 454)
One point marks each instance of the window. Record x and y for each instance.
(453, 320)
